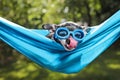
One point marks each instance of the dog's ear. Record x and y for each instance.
(84, 26)
(47, 26)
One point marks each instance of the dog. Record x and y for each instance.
(68, 34)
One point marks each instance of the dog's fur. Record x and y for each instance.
(70, 43)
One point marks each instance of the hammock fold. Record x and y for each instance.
(33, 44)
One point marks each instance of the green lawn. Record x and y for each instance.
(105, 67)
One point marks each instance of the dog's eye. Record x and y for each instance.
(62, 33)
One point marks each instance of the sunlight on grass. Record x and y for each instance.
(118, 53)
(31, 67)
(114, 66)
(19, 74)
(59, 76)
(1, 78)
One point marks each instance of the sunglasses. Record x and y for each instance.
(64, 33)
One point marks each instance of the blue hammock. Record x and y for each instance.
(47, 53)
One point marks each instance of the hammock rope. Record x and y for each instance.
(33, 44)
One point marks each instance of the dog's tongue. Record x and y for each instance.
(72, 44)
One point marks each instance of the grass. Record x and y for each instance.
(105, 67)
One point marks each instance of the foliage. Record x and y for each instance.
(33, 13)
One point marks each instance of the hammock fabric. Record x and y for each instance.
(47, 53)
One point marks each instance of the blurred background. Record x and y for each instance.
(34, 13)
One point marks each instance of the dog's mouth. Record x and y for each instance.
(69, 44)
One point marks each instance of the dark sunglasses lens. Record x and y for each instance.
(79, 35)
(62, 33)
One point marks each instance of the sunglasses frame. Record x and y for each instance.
(69, 32)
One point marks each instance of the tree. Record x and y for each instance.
(34, 13)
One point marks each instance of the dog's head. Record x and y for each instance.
(68, 34)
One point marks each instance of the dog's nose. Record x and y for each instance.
(68, 41)
(72, 43)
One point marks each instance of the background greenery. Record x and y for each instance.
(33, 13)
